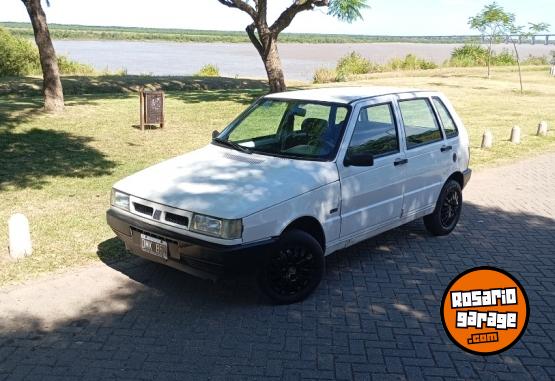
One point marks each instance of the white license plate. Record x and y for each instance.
(154, 246)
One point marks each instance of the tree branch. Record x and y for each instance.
(242, 5)
(284, 20)
(255, 41)
(261, 10)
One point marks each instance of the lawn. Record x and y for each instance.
(58, 169)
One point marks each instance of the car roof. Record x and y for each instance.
(341, 94)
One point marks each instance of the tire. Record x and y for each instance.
(447, 211)
(293, 269)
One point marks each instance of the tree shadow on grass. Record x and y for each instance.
(242, 96)
(14, 111)
(29, 157)
(111, 84)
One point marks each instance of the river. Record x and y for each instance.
(299, 60)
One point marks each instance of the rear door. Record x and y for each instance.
(372, 196)
(428, 159)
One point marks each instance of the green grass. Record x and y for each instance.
(83, 32)
(494, 104)
(58, 169)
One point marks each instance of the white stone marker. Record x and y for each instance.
(542, 129)
(19, 236)
(487, 139)
(515, 135)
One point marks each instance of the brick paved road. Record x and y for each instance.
(376, 315)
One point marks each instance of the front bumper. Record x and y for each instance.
(199, 258)
(466, 176)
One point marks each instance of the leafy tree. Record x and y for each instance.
(492, 22)
(52, 85)
(264, 36)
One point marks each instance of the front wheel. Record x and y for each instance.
(293, 269)
(448, 210)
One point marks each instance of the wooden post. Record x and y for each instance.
(142, 107)
(515, 135)
(163, 121)
(547, 39)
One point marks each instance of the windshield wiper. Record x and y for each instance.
(233, 145)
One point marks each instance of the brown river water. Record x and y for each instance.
(299, 60)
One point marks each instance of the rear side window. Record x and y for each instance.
(449, 125)
(375, 132)
(421, 126)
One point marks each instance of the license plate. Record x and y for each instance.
(154, 246)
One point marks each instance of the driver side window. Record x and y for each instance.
(375, 132)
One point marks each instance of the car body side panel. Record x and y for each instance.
(322, 204)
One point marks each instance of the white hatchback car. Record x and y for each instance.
(297, 176)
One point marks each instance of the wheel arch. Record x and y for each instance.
(458, 177)
(309, 225)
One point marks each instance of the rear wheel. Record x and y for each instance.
(293, 269)
(448, 210)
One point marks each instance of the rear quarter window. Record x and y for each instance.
(447, 121)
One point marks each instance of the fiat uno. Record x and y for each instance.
(295, 177)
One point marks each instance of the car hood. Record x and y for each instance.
(225, 183)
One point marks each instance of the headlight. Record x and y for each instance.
(227, 229)
(120, 200)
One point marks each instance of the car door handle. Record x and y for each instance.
(400, 162)
(446, 148)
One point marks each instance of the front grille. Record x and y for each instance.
(143, 209)
(176, 219)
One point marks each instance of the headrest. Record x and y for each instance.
(314, 126)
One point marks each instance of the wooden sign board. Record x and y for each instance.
(151, 108)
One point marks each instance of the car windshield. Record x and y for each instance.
(288, 128)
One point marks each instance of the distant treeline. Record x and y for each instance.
(81, 32)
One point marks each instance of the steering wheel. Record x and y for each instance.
(288, 136)
(323, 145)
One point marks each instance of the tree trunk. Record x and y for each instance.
(52, 85)
(490, 51)
(272, 63)
(519, 69)
(266, 45)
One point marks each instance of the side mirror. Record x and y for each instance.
(358, 159)
(215, 133)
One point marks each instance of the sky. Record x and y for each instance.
(385, 17)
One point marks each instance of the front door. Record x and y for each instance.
(372, 196)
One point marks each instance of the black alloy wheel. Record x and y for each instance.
(293, 269)
(448, 209)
